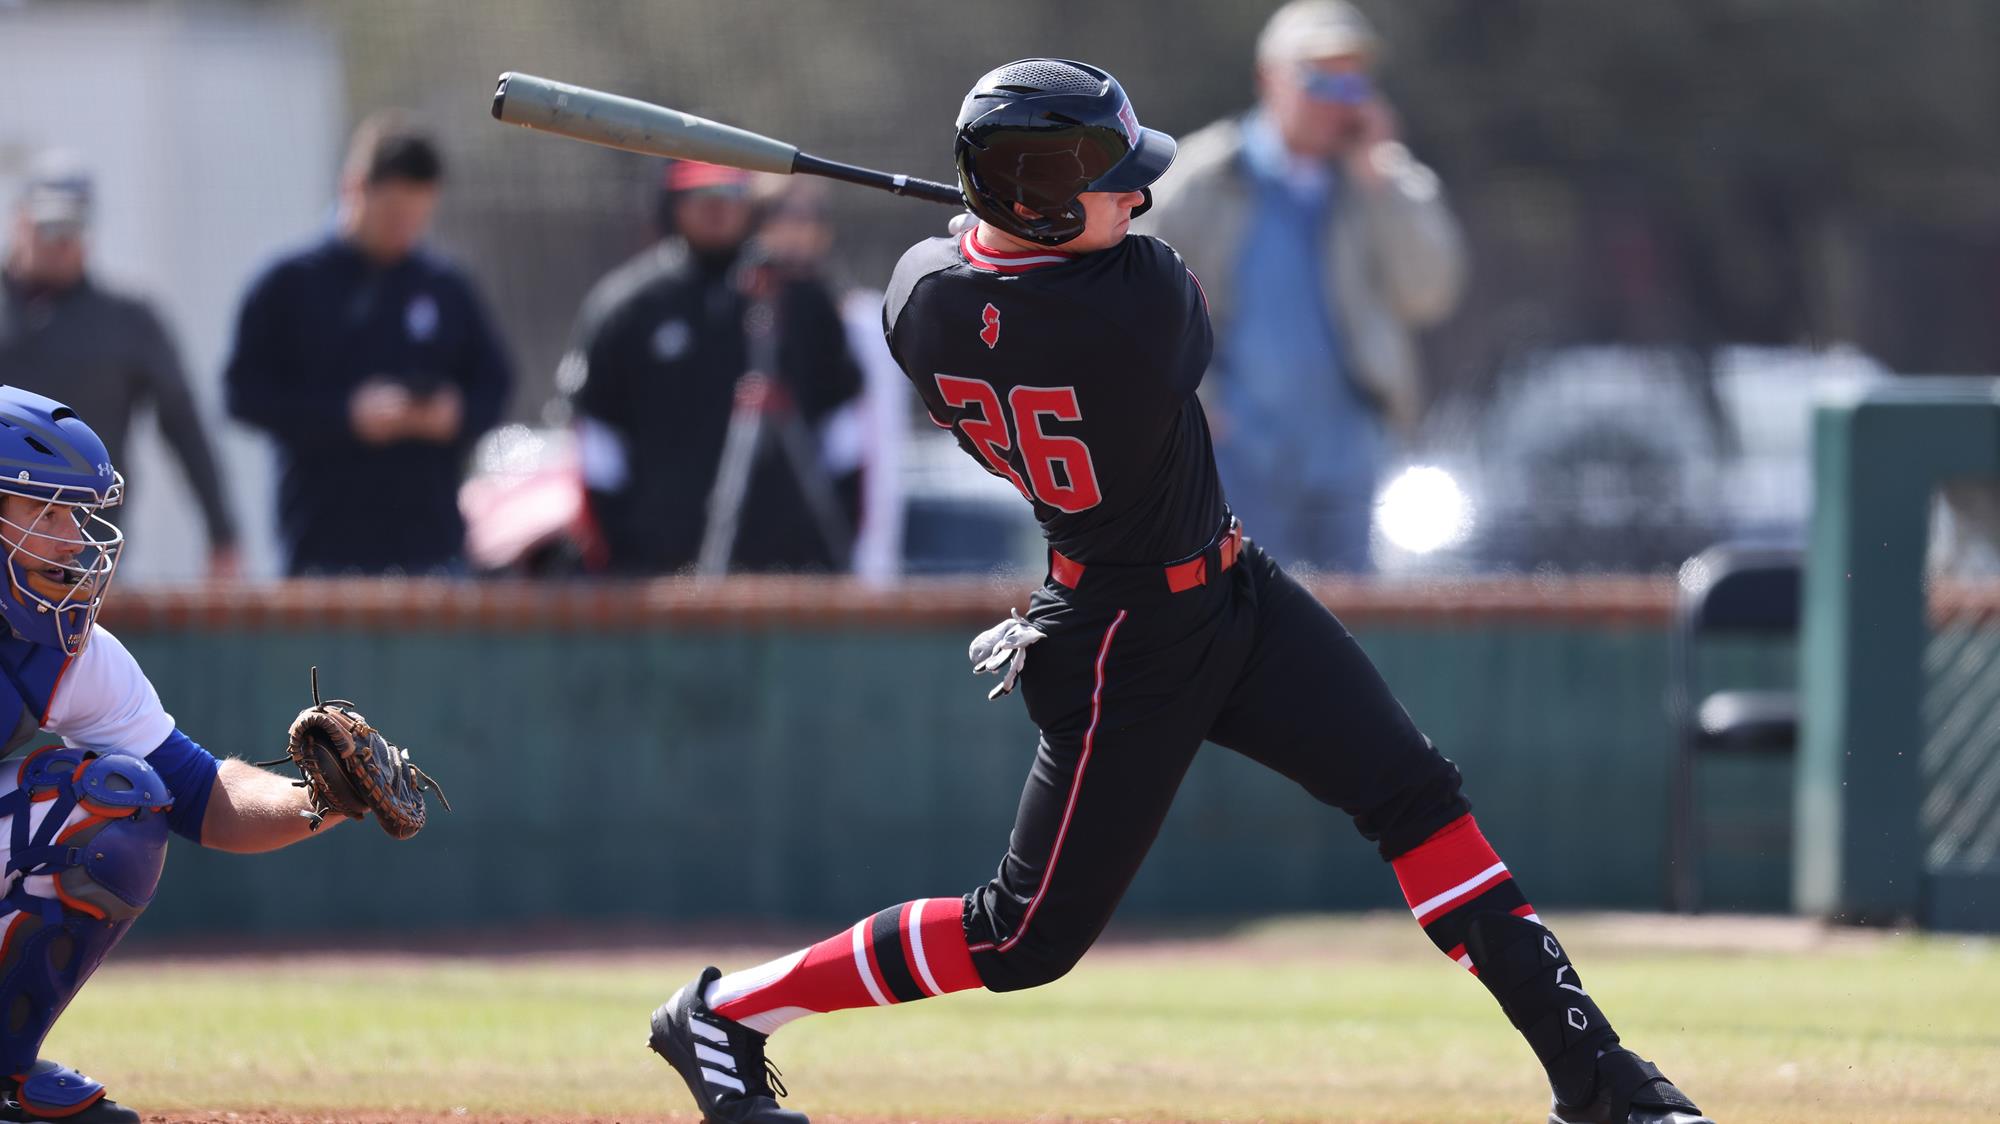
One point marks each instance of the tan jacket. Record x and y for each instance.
(1397, 255)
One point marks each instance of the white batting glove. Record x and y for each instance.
(962, 222)
(1005, 645)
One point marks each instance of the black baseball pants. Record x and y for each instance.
(1129, 682)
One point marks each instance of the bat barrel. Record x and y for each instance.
(633, 125)
(636, 126)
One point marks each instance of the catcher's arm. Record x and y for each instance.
(252, 810)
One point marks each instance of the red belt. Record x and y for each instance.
(1181, 576)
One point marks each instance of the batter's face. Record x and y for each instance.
(1107, 216)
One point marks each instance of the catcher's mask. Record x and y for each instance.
(61, 551)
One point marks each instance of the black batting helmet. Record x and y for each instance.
(1040, 132)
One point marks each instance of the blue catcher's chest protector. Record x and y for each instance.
(28, 676)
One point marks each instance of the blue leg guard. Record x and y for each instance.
(81, 872)
(53, 1091)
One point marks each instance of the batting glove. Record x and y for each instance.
(1004, 646)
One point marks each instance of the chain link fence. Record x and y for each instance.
(1960, 756)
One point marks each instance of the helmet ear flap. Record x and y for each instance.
(1145, 206)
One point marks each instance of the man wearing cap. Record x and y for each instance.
(699, 379)
(1322, 245)
(104, 353)
(374, 367)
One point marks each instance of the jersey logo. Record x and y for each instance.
(990, 334)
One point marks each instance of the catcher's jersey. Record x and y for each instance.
(100, 699)
(1073, 377)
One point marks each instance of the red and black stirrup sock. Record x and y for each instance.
(1469, 906)
(1452, 877)
(905, 952)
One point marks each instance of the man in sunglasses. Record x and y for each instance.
(1323, 245)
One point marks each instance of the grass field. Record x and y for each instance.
(1322, 1019)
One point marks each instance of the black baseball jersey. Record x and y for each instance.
(1073, 377)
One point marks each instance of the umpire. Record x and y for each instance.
(64, 336)
(374, 367)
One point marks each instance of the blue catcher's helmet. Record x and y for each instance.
(61, 552)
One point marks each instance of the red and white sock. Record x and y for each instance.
(1453, 876)
(905, 952)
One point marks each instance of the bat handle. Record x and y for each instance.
(806, 164)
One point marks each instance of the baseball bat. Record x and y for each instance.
(619, 122)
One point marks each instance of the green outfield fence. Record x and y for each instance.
(793, 750)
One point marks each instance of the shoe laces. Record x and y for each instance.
(749, 1064)
(774, 1080)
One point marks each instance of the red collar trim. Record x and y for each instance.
(981, 256)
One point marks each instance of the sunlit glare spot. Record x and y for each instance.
(1423, 510)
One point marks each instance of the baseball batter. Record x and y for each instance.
(1064, 354)
(84, 823)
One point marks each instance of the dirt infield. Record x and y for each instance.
(395, 1118)
(479, 1119)
(379, 1117)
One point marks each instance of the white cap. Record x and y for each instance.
(1316, 29)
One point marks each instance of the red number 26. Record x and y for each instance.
(987, 428)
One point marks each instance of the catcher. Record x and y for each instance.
(84, 823)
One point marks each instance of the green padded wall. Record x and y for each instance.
(694, 775)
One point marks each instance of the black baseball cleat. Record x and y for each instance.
(722, 1061)
(1629, 1090)
(50, 1091)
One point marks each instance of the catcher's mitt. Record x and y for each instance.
(350, 769)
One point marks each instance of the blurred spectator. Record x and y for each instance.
(372, 364)
(699, 378)
(103, 353)
(870, 430)
(1322, 243)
